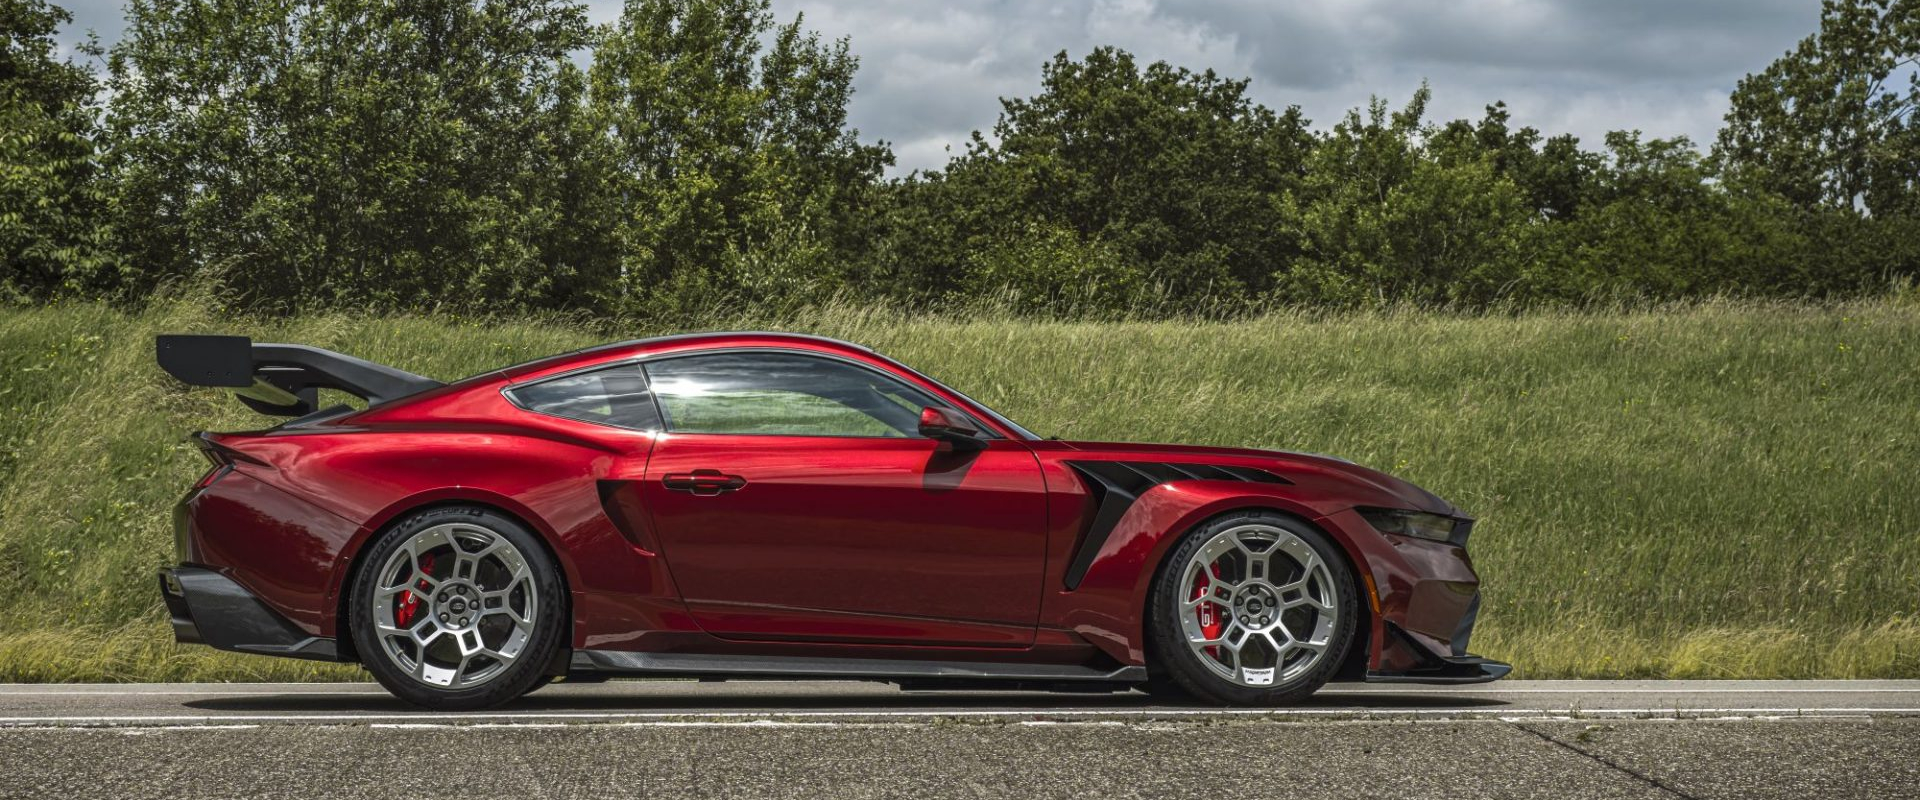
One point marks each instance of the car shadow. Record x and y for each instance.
(641, 700)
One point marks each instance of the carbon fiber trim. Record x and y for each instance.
(703, 665)
(1115, 485)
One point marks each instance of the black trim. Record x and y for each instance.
(281, 379)
(1455, 667)
(1464, 631)
(1115, 485)
(701, 665)
(1473, 669)
(209, 608)
(620, 500)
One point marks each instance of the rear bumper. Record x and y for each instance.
(209, 608)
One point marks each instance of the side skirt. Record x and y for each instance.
(718, 666)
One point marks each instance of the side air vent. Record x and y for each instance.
(1115, 485)
(621, 501)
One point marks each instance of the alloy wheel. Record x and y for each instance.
(1259, 605)
(454, 606)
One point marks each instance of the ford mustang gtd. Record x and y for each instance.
(771, 506)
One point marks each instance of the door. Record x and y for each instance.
(795, 500)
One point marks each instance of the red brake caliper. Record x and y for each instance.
(1210, 622)
(409, 605)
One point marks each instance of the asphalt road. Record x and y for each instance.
(830, 740)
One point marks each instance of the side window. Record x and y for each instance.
(783, 394)
(612, 396)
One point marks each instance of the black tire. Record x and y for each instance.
(1181, 666)
(528, 671)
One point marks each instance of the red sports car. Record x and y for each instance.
(774, 505)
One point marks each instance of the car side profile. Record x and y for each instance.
(768, 505)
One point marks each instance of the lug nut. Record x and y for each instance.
(443, 618)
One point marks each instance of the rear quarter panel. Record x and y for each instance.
(469, 447)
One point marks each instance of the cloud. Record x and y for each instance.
(1575, 66)
(931, 73)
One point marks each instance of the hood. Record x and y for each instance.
(1300, 468)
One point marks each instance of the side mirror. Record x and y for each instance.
(947, 425)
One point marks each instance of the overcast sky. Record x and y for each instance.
(931, 72)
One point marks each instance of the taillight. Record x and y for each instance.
(216, 457)
(211, 476)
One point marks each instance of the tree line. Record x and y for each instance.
(509, 155)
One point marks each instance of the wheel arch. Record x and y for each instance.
(1359, 648)
(397, 512)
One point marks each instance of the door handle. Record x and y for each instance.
(703, 482)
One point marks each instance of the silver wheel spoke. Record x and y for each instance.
(1280, 648)
(447, 641)
(1312, 602)
(1258, 606)
(1236, 643)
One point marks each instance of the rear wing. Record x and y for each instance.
(281, 379)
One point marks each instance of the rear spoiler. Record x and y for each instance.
(281, 379)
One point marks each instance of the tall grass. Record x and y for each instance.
(1713, 490)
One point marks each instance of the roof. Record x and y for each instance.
(586, 353)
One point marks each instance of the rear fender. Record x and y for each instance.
(349, 561)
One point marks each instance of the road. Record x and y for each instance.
(1550, 739)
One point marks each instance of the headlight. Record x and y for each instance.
(1417, 524)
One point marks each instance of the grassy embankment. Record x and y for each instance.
(1723, 490)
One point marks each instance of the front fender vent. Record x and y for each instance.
(1115, 485)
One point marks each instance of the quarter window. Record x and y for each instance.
(612, 396)
(783, 394)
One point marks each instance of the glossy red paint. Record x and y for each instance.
(894, 541)
(788, 545)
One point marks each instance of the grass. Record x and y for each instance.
(1716, 490)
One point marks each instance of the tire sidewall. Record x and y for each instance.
(1178, 663)
(523, 675)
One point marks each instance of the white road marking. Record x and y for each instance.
(1451, 692)
(109, 690)
(1805, 716)
(191, 693)
(1142, 714)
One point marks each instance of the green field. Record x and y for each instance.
(1718, 490)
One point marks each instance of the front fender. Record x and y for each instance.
(1108, 607)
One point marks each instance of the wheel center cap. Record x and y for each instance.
(1258, 604)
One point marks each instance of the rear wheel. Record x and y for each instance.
(1253, 608)
(458, 608)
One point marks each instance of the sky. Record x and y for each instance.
(933, 72)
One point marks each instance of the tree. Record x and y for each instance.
(1554, 174)
(50, 200)
(1176, 173)
(1393, 211)
(735, 172)
(1833, 122)
(405, 154)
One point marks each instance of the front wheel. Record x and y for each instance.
(1252, 608)
(457, 608)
